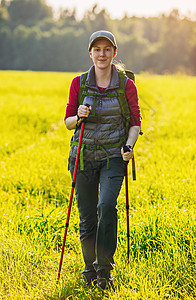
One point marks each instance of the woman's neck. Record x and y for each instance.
(103, 77)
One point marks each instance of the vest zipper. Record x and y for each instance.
(99, 105)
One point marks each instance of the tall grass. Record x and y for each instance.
(35, 186)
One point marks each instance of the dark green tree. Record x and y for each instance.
(6, 50)
(132, 52)
(175, 44)
(97, 19)
(28, 11)
(31, 38)
(4, 16)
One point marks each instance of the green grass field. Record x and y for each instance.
(35, 187)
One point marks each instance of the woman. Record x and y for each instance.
(99, 181)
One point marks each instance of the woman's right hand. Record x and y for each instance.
(83, 111)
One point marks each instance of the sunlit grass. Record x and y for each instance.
(35, 186)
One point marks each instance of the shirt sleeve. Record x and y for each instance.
(132, 98)
(72, 105)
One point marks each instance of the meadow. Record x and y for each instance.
(35, 186)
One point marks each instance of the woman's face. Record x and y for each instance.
(102, 54)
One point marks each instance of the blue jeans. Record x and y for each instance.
(97, 189)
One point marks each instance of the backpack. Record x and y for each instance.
(120, 93)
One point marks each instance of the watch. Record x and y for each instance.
(130, 147)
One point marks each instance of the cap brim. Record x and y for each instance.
(101, 38)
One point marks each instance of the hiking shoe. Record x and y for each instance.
(90, 278)
(104, 279)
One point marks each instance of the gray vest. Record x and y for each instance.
(104, 131)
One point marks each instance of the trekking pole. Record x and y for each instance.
(133, 168)
(127, 210)
(71, 196)
(126, 149)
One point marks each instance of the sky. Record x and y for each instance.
(117, 8)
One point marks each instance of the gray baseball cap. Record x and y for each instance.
(102, 34)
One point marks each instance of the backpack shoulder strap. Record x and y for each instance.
(122, 99)
(121, 93)
(83, 88)
(130, 75)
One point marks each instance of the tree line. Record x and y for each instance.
(32, 37)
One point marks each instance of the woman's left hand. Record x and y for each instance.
(126, 155)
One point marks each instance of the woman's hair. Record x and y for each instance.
(119, 66)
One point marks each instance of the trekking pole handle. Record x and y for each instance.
(84, 118)
(126, 149)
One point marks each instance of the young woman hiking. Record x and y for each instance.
(102, 164)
